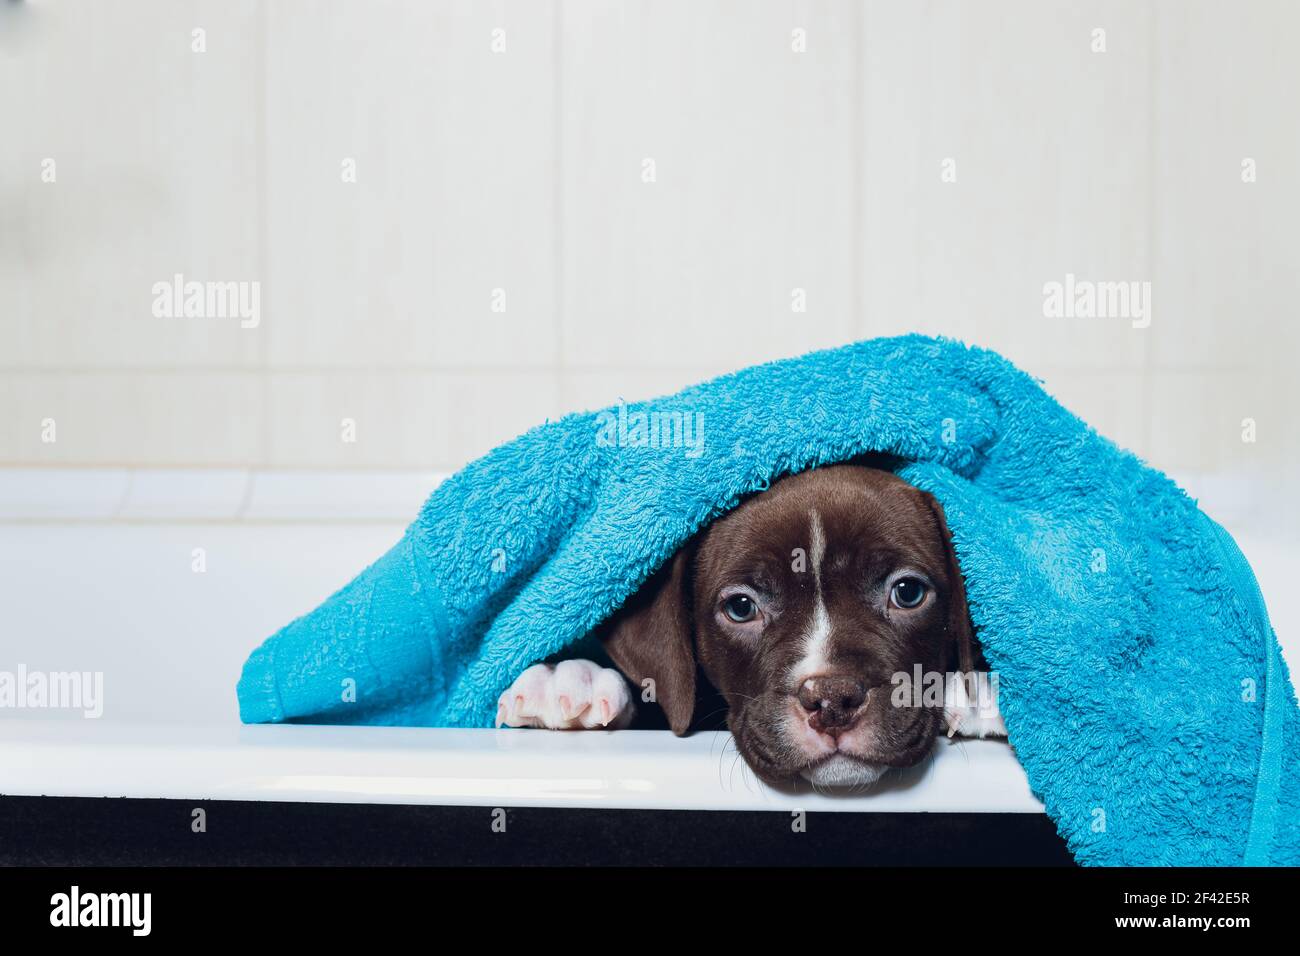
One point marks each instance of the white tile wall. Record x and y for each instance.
(1050, 148)
(137, 417)
(1226, 250)
(454, 149)
(156, 166)
(522, 171)
(753, 191)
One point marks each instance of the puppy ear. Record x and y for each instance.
(959, 628)
(651, 638)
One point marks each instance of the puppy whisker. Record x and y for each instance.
(792, 611)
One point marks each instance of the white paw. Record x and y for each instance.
(970, 722)
(572, 695)
(976, 716)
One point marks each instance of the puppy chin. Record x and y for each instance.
(841, 770)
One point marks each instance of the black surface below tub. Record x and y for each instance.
(70, 831)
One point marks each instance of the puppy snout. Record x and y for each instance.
(832, 702)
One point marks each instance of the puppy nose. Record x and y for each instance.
(831, 702)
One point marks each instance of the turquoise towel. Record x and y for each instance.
(1142, 686)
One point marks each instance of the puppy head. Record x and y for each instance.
(800, 607)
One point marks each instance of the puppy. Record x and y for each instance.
(812, 608)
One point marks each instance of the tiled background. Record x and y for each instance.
(522, 170)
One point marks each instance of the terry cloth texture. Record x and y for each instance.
(1142, 686)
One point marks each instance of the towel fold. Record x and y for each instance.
(1142, 686)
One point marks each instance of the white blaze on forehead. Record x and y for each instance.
(817, 547)
(817, 636)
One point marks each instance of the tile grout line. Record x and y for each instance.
(1152, 218)
(859, 133)
(125, 371)
(263, 238)
(559, 128)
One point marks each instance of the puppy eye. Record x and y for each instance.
(740, 608)
(908, 593)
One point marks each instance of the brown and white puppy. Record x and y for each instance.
(804, 607)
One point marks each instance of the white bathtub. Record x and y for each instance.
(98, 576)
